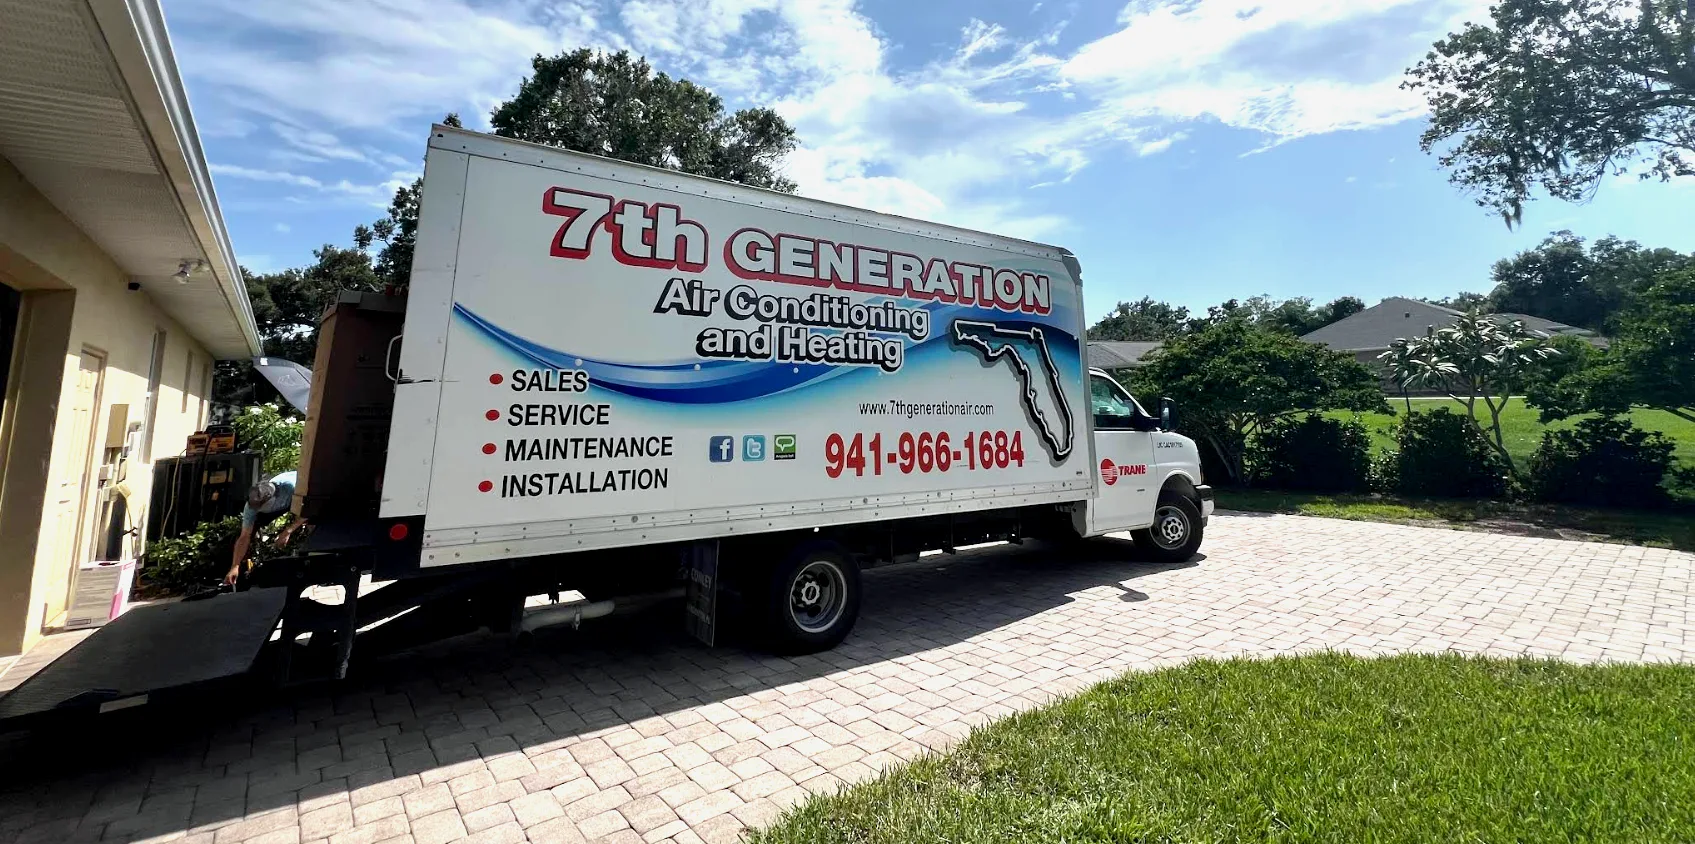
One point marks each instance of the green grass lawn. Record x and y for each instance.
(1522, 431)
(1659, 528)
(1318, 748)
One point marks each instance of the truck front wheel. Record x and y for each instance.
(1175, 535)
(813, 600)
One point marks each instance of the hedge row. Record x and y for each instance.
(1602, 461)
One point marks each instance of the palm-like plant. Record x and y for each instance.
(1477, 357)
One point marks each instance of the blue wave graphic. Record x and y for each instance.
(724, 381)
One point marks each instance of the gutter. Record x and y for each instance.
(140, 46)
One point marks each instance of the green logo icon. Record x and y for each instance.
(783, 447)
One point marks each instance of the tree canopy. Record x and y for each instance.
(1565, 280)
(1651, 362)
(1233, 378)
(614, 104)
(609, 104)
(1463, 301)
(1557, 95)
(1144, 319)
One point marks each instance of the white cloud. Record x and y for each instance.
(372, 194)
(1155, 147)
(257, 175)
(281, 228)
(957, 137)
(373, 64)
(1288, 69)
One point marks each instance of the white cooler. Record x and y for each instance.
(102, 593)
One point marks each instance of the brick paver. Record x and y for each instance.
(628, 732)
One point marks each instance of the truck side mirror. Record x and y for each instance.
(1167, 415)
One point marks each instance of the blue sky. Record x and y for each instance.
(1189, 150)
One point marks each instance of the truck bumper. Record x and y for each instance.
(1205, 492)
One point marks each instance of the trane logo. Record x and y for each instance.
(1111, 472)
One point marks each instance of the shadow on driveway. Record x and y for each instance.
(240, 755)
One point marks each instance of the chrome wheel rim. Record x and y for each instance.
(1171, 527)
(817, 596)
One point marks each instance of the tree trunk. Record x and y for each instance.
(1495, 436)
(1230, 465)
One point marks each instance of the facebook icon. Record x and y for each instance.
(723, 449)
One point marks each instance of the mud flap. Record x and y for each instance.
(700, 605)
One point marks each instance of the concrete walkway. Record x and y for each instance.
(628, 732)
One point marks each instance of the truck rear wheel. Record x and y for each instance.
(1175, 535)
(812, 600)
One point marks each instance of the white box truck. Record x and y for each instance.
(599, 356)
(607, 380)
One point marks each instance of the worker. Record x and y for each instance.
(267, 501)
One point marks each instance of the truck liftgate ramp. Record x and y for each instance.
(149, 655)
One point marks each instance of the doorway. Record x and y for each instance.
(71, 499)
(11, 304)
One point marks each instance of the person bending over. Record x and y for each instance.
(267, 501)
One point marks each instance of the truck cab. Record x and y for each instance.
(1150, 476)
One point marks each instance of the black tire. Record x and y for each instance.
(1176, 533)
(811, 600)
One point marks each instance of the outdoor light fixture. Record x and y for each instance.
(186, 268)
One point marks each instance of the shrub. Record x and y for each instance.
(1603, 461)
(263, 428)
(200, 558)
(1384, 474)
(1315, 453)
(1443, 455)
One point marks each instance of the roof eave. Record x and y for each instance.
(140, 47)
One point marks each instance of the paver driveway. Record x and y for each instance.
(630, 733)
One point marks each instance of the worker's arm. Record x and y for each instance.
(242, 544)
(287, 533)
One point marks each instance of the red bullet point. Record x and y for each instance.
(488, 448)
(485, 486)
(495, 378)
(492, 415)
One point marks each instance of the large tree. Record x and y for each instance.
(609, 104)
(614, 104)
(286, 309)
(1651, 362)
(1558, 95)
(1144, 319)
(1463, 301)
(1564, 279)
(1233, 378)
(1295, 316)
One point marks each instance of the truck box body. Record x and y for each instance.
(347, 417)
(599, 354)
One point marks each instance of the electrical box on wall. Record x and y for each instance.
(117, 425)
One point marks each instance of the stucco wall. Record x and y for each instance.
(41, 252)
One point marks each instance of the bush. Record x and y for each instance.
(1315, 454)
(1603, 461)
(1384, 474)
(199, 559)
(263, 428)
(1443, 455)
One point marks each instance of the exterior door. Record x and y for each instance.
(76, 464)
(1129, 486)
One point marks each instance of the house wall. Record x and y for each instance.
(76, 313)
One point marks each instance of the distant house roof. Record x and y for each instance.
(1119, 354)
(1379, 326)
